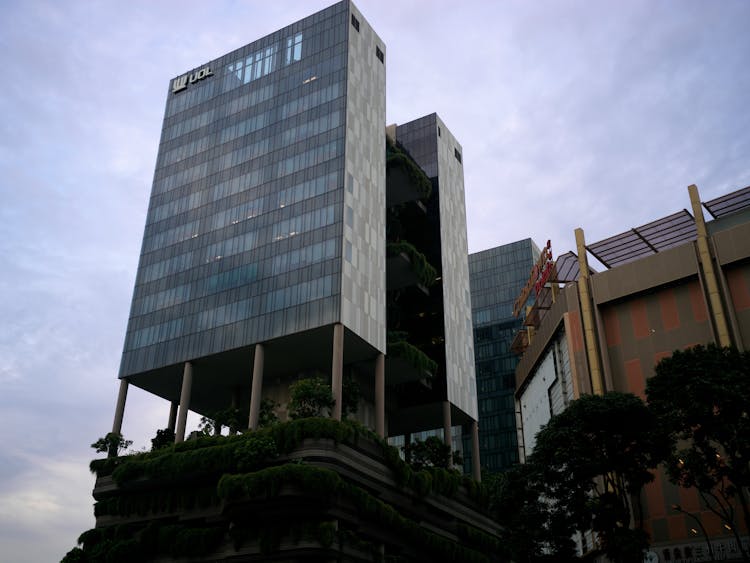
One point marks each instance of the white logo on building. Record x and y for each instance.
(181, 82)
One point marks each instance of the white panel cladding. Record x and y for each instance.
(549, 391)
(459, 341)
(363, 281)
(535, 403)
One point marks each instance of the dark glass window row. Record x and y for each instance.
(261, 288)
(171, 176)
(242, 242)
(497, 403)
(263, 327)
(240, 160)
(191, 260)
(498, 420)
(233, 312)
(263, 284)
(488, 369)
(494, 383)
(236, 277)
(242, 157)
(497, 439)
(507, 279)
(488, 350)
(160, 236)
(272, 210)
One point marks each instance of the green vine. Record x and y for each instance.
(426, 273)
(398, 158)
(413, 355)
(215, 471)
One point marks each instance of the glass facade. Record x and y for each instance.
(243, 238)
(497, 276)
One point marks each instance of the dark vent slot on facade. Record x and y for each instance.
(379, 54)
(457, 154)
(355, 22)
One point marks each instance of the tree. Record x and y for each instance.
(310, 396)
(533, 531)
(701, 398)
(113, 443)
(592, 461)
(163, 438)
(350, 395)
(432, 452)
(267, 415)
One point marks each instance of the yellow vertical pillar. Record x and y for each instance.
(587, 316)
(716, 307)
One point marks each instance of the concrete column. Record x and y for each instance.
(447, 438)
(587, 317)
(337, 368)
(120, 408)
(187, 384)
(716, 307)
(257, 388)
(172, 415)
(476, 469)
(380, 395)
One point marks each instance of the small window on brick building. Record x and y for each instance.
(355, 22)
(457, 154)
(379, 54)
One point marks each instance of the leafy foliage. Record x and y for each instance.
(267, 415)
(350, 395)
(232, 417)
(591, 458)
(432, 452)
(310, 396)
(113, 443)
(531, 526)
(163, 438)
(398, 347)
(397, 157)
(198, 474)
(701, 397)
(425, 271)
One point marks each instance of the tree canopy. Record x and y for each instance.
(701, 397)
(591, 459)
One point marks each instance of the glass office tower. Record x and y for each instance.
(264, 254)
(497, 277)
(269, 186)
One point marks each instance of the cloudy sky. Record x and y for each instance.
(590, 114)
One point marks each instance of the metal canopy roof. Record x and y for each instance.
(728, 204)
(650, 238)
(566, 268)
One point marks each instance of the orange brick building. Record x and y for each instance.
(676, 282)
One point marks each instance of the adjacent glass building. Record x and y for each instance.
(497, 277)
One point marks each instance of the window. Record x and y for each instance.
(293, 49)
(355, 22)
(438, 131)
(457, 154)
(379, 54)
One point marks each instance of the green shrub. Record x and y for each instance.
(309, 397)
